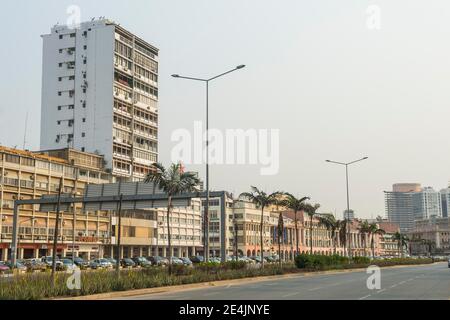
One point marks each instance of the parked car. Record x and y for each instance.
(112, 260)
(81, 263)
(68, 264)
(19, 266)
(3, 267)
(449, 262)
(100, 264)
(34, 265)
(158, 261)
(215, 260)
(49, 262)
(177, 261)
(257, 259)
(141, 262)
(127, 263)
(197, 259)
(186, 261)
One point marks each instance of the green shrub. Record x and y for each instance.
(361, 260)
(319, 262)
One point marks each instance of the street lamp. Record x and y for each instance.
(206, 213)
(349, 250)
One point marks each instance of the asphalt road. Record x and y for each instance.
(403, 283)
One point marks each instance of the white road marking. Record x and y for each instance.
(382, 290)
(314, 289)
(290, 295)
(365, 297)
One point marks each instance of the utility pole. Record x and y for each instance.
(55, 235)
(119, 233)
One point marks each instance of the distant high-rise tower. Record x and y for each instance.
(349, 214)
(100, 95)
(426, 204)
(399, 204)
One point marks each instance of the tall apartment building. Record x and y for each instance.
(100, 95)
(399, 204)
(427, 204)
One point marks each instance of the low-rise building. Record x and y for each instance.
(27, 175)
(430, 236)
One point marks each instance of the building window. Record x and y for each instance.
(85, 47)
(59, 79)
(59, 122)
(60, 50)
(60, 65)
(60, 36)
(59, 108)
(72, 35)
(59, 93)
(83, 134)
(82, 149)
(84, 119)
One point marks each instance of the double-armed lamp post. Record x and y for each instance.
(347, 218)
(206, 213)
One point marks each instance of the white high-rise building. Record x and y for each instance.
(100, 95)
(426, 204)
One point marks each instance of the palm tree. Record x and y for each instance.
(331, 224)
(296, 205)
(364, 229)
(172, 181)
(261, 199)
(373, 231)
(311, 211)
(280, 234)
(402, 242)
(342, 227)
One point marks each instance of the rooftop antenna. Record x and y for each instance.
(25, 133)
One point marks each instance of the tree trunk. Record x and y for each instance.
(279, 249)
(334, 241)
(262, 237)
(169, 211)
(373, 247)
(296, 232)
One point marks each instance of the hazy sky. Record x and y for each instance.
(335, 89)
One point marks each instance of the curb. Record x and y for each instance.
(220, 283)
